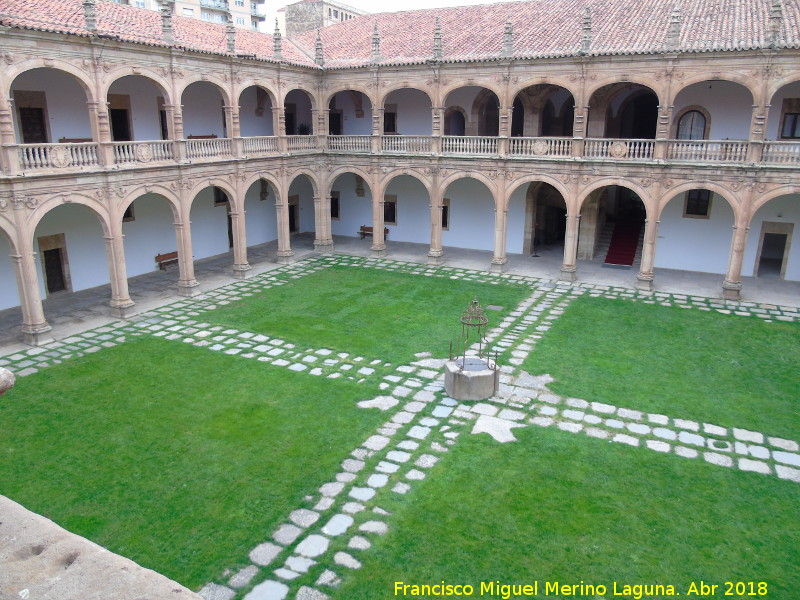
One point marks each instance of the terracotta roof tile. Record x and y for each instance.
(542, 28)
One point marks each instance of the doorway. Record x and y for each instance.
(55, 266)
(773, 250)
(294, 214)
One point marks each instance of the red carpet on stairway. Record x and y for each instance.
(624, 243)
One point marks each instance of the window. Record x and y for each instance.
(240, 20)
(791, 126)
(692, 126)
(220, 198)
(698, 204)
(189, 12)
(445, 214)
(239, 2)
(205, 16)
(140, 3)
(335, 14)
(128, 215)
(389, 210)
(254, 24)
(334, 206)
(329, 13)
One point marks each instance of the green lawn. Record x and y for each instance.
(721, 369)
(368, 311)
(562, 507)
(176, 457)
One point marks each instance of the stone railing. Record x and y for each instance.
(263, 144)
(407, 144)
(781, 153)
(482, 145)
(301, 142)
(707, 150)
(127, 153)
(350, 143)
(614, 149)
(208, 148)
(542, 146)
(58, 156)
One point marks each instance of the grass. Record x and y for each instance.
(367, 311)
(561, 507)
(721, 369)
(176, 457)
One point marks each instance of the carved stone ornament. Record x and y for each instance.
(3, 206)
(60, 157)
(645, 182)
(618, 150)
(144, 153)
(21, 202)
(667, 183)
(540, 147)
(586, 180)
(9, 58)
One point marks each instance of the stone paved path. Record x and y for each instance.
(331, 533)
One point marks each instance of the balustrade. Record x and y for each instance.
(407, 144)
(58, 156)
(208, 148)
(482, 145)
(781, 153)
(542, 146)
(350, 143)
(265, 144)
(617, 149)
(301, 142)
(142, 152)
(707, 150)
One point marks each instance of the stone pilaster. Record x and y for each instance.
(732, 285)
(569, 268)
(645, 278)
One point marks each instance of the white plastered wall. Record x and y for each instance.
(209, 225)
(691, 244)
(150, 233)
(202, 110)
(302, 108)
(302, 187)
(413, 211)
(515, 236)
(351, 124)
(85, 248)
(413, 111)
(251, 124)
(784, 209)
(67, 113)
(354, 211)
(9, 295)
(261, 220)
(145, 120)
(730, 106)
(471, 215)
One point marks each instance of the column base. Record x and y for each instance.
(324, 247)
(377, 251)
(644, 282)
(123, 311)
(285, 257)
(37, 335)
(241, 271)
(435, 257)
(189, 289)
(568, 274)
(498, 265)
(731, 290)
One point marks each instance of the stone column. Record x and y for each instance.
(377, 129)
(504, 133)
(662, 134)
(177, 127)
(234, 130)
(437, 128)
(9, 157)
(378, 242)
(758, 122)
(121, 303)
(284, 244)
(187, 284)
(732, 285)
(580, 125)
(569, 268)
(35, 329)
(101, 131)
(241, 268)
(323, 240)
(644, 280)
(436, 254)
(279, 127)
(500, 218)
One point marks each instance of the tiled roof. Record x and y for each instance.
(139, 25)
(549, 28)
(541, 28)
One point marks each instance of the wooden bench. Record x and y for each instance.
(208, 136)
(65, 140)
(367, 231)
(169, 258)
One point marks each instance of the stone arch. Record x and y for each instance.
(271, 93)
(535, 218)
(485, 113)
(728, 103)
(308, 173)
(533, 178)
(350, 87)
(213, 80)
(488, 85)
(742, 80)
(533, 100)
(676, 119)
(273, 181)
(640, 191)
(776, 85)
(471, 175)
(333, 175)
(83, 79)
(384, 183)
(292, 121)
(385, 94)
(725, 193)
(352, 114)
(230, 191)
(163, 85)
(771, 195)
(172, 199)
(614, 80)
(9, 233)
(448, 114)
(606, 120)
(555, 82)
(97, 207)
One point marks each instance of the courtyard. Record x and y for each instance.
(288, 436)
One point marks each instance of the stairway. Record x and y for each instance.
(625, 243)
